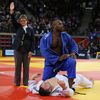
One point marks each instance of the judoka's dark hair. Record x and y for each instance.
(44, 92)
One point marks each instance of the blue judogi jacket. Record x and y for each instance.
(51, 57)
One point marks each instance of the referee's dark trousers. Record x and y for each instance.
(21, 59)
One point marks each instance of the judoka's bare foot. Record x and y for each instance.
(92, 81)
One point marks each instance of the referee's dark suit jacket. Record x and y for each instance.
(28, 42)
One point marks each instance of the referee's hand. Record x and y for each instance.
(30, 54)
(12, 7)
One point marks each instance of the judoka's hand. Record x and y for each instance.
(63, 57)
(73, 55)
(62, 84)
(34, 76)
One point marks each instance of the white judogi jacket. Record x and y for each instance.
(58, 91)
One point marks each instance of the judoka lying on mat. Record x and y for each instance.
(58, 85)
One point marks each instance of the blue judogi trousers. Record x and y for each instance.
(68, 65)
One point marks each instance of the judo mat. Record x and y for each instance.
(89, 68)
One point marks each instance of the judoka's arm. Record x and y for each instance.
(73, 47)
(66, 90)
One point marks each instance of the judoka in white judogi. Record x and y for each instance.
(58, 90)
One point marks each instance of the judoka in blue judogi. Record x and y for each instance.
(52, 62)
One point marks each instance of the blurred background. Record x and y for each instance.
(80, 17)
